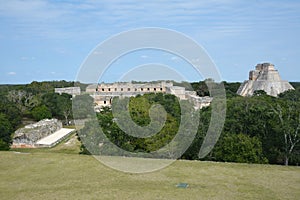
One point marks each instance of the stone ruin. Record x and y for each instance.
(104, 93)
(265, 77)
(30, 134)
(68, 90)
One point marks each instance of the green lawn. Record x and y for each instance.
(52, 175)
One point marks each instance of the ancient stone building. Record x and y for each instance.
(30, 134)
(265, 77)
(104, 93)
(68, 90)
(91, 88)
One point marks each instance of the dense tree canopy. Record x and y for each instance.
(258, 129)
(252, 132)
(5, 132)
(10, 119)
(41, 112)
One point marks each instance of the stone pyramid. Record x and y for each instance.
(264, 77)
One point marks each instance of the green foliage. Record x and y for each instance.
(46, 86)
(41, 112)
(247, 115)
(201, 88)
(193, 150)
(59, 105)
(83, 106)
(259, 93)
(5, 132)
(258, 127)
(10, 119)
(252, 132)
(139, 112)
(291, 95)
(239, 148)
(11, 111)
(286, 124)
(4, 146)
(231, 89)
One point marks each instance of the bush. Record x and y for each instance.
(41, 112)
(239, 148)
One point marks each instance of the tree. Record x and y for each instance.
(5, 132)
(292, 95)
(83, 106)
(64, 105)
(239, 148)
(259, 93)
(59, 105)
(231, 89)
(201, 88)
(41, 112)
(67, 112)
(248, 115)
(288, 123)
(11, 111)
(24, 100)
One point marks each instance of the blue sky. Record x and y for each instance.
(49, 40)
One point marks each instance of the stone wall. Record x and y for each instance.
(30, 134)
(104, 93)
(68, 90)
(132, 88)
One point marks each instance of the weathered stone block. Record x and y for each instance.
(30, 134)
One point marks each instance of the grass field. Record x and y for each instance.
(61, 173)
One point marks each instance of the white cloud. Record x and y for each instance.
(88, 18)
(11, 73)
(66, 19)
(27, 58)
(97, 52)
(175, 58)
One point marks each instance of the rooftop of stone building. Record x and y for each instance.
(265, 66)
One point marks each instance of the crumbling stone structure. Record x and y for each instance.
(30, 134)
(68, 90)
(265, 77)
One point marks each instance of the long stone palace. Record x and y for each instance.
(104, 93)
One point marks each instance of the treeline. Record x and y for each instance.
(258, 129)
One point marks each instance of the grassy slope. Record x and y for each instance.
(52, 175)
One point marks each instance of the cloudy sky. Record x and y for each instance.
(49, 40)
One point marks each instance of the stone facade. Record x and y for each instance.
(68, 90)
(200, 102)
(30, 134)
(91, 88)
(177, 91)
(265, 77)
(104, 93)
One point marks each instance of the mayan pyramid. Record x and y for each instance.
(264, 77)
